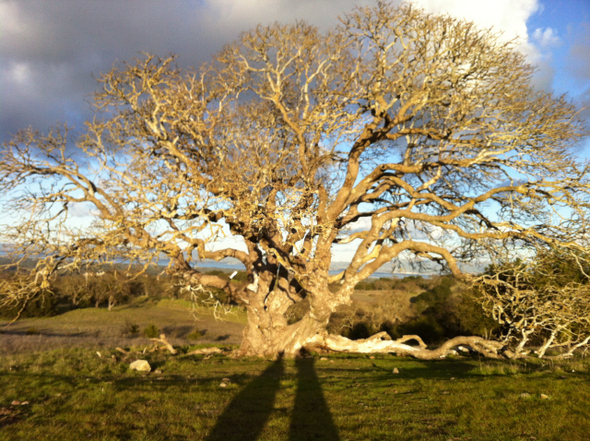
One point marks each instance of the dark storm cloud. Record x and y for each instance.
(49, 49)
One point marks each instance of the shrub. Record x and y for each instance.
(427, 327)
(195, 335)
(366, 285)
(359, 331)
(541, 301)
(472, 318)
(241, 276)
(218, 273)
(131, 329)
(152, 331)
(384, 283)
(355, 323)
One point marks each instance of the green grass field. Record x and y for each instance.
(68, 382)
(100, 327)
(73, 394)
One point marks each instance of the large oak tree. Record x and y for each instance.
(423, 129)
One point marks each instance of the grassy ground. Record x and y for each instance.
(73, 394)
(62, 379)
(100, 327)
(178, 319)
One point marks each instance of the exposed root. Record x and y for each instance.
(382, 343)
(162, 339)
(205, 351)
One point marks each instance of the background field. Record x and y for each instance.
(177, 319)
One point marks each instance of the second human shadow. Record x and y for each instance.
(311, 419)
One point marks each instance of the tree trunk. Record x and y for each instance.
(279, 341)
(268, 334)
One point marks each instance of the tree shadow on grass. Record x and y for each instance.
(245, 417)
(311, 419)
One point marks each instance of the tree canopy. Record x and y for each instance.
(409, 135)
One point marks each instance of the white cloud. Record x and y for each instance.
(9, 18)
(547, 37)
(49, 49)
(19, 73)
(13, 22)
(579, 59)
(507, 16)
(510, 18)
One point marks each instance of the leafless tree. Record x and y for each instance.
(421, 126)
(544, 301)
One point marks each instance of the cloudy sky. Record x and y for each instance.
(50, 49)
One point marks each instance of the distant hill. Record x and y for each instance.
(230, 263)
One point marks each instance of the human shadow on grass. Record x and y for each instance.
(311, 418)
(245, 417)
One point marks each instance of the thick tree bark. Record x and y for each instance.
(308, 334)
(284, 341)
(268, 333)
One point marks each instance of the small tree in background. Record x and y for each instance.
(544, 301)
(422, 128)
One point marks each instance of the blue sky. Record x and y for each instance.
(568, 45)
(561, 29)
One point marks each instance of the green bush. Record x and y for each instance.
(131, 329)
(195, 335)
(384, 283)
(152, 331)
(359, 331)
(437, 316)
(366, 285)
(427, 327)
(472, 318)
(218, 273)
(241, 276)
(353, 323)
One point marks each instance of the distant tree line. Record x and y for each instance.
(104, 288)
